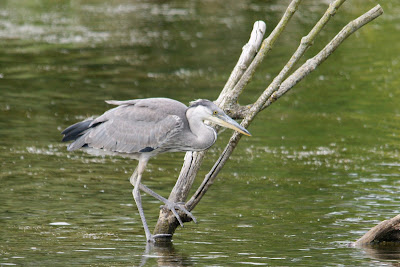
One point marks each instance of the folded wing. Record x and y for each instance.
(134, 126)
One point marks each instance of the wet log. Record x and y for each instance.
(386, 231)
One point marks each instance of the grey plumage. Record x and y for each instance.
(133, 126)
(143, 128)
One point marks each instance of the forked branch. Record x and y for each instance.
(259, 104)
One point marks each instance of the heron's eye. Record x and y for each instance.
(215, 112)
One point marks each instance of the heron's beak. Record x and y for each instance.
(226, 121)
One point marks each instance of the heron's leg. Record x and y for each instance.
(136, 195)
(145, 188)
(132, 180)
(171, 205)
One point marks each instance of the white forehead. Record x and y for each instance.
(205, 104)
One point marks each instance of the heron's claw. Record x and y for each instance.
(179, 206)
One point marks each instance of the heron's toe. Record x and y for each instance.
(160, 238)
(179, 206)
(188, 213)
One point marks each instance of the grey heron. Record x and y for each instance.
(144, 128)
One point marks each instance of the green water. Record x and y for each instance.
(321, 168)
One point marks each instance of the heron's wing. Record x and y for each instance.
(132, 127)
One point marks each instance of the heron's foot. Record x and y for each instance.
(161, 237)
(179, 206)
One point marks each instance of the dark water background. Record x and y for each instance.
(321, 168)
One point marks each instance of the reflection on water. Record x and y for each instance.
(321, 168)
(384, 252)
(165, 255)
(387, 252)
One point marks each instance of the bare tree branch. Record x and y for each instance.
(239, 112)
(227, 101)
(238, 80)
(193, 160)
(257, 106)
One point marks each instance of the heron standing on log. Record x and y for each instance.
(144, 128)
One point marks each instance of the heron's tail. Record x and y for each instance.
(74, 132)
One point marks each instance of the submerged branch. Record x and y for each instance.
(386, 231)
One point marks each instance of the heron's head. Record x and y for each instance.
(207, 110)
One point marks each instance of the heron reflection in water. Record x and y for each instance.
(144, 128)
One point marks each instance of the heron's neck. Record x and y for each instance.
(203, 135)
